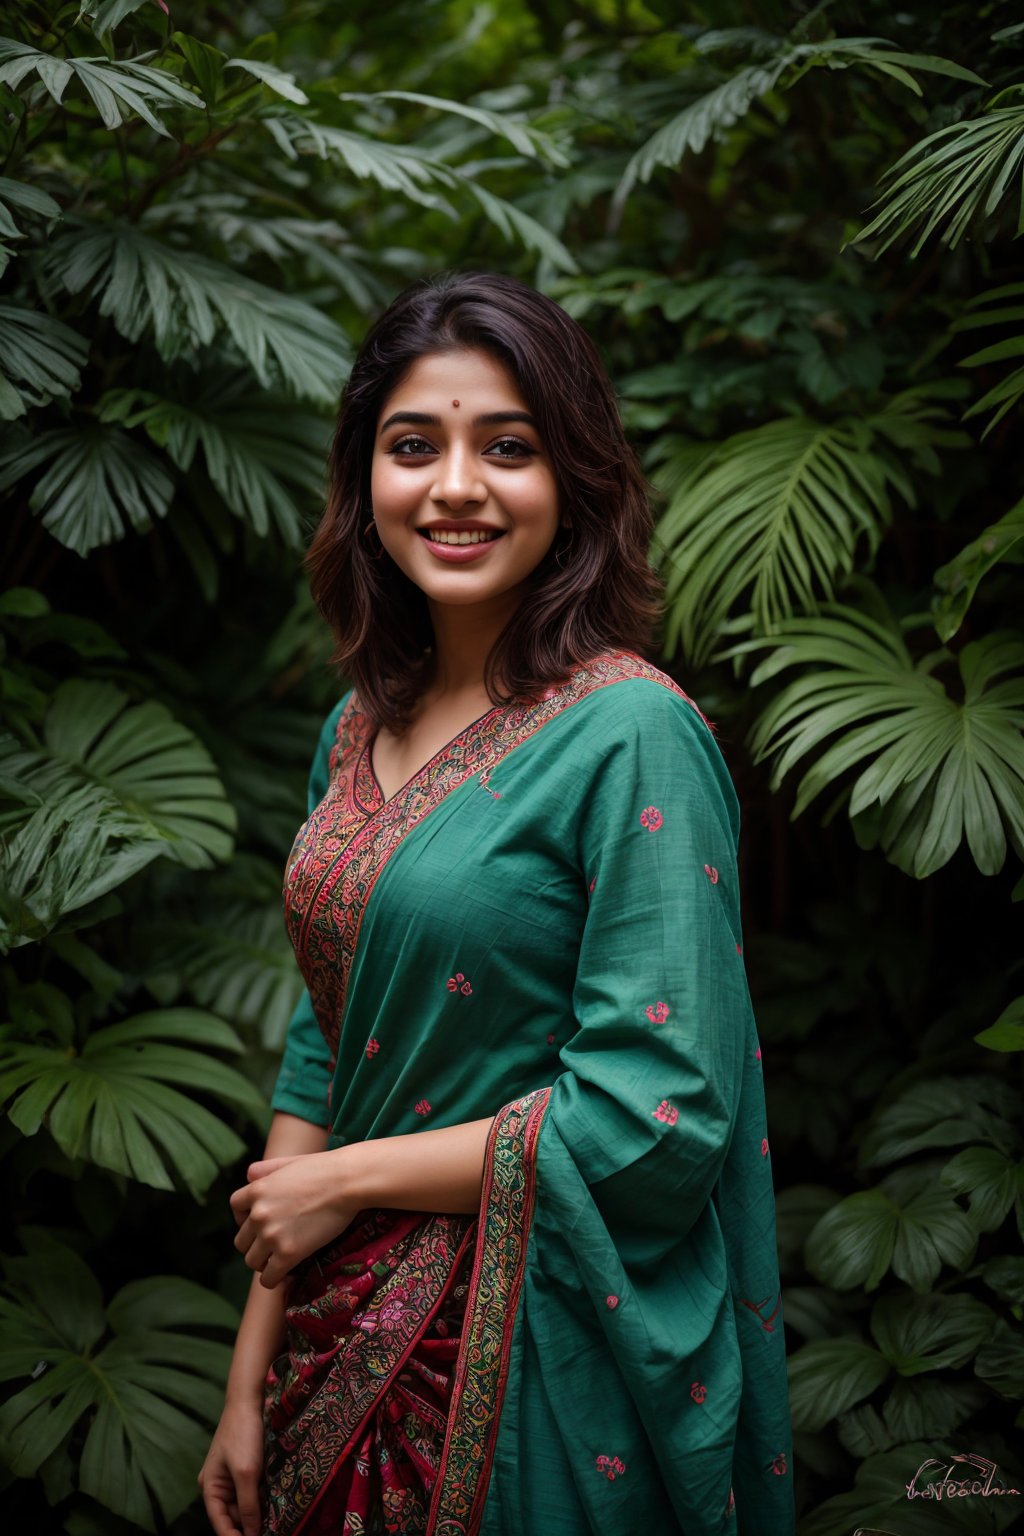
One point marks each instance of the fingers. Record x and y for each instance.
(217, 1492)
(266, 1165)
(274, 1271)
(254, 1247)
(241, 1203)
(249, 1507)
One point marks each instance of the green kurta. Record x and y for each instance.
(551, 904)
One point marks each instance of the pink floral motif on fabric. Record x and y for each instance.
(458, 983)
(712, 873)
(764, 1146)
(611, 1302)
(698, 1391)
(757, 1054)
(611, 1466)
(779, 1464)
(372, 1047)
(423, 1107)
(730, 1506)
(666, 1113)
(657, 1012)
(651, 818)
(551, 1039)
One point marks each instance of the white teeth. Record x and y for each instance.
(465, 537)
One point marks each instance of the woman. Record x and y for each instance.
(514, 1231)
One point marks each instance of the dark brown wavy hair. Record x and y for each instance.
(594, 590)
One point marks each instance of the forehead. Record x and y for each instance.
(477, 380)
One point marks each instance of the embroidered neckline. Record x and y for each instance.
(345, 845)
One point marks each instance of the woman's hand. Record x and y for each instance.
(230, 1477)
(290, 1207)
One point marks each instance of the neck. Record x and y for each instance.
(463, 639)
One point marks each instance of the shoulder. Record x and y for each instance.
(641, 726)
(626, 693)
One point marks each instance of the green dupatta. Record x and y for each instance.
(543, 925)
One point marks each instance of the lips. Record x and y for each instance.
(466, 544)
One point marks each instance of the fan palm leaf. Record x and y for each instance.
(98, 482)
(926, 770)
(949, 179)
(118, 88)
(401, 168)
(40, 359)
(183, 299)
(711, 115)
(116, 1100)
(773, 517)
(134, 1379)
(256, 446)
(114, 786)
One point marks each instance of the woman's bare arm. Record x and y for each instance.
(293, 1205)
(230, 1475)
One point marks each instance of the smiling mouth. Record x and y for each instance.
(465, 536)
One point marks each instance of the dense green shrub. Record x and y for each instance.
(793, 232)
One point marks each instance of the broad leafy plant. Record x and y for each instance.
(796, 246)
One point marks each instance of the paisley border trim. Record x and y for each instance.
(481, 1372)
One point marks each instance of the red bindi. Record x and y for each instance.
(456, 404)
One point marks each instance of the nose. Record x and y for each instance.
(457, 482)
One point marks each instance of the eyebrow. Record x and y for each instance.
(491, 419)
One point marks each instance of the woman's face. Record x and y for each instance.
(463, 491)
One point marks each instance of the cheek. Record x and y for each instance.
(391, 490)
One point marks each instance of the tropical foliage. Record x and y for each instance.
(793, 230)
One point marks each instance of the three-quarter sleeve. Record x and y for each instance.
(652, 1263)
(304, 1079)
(648, 1103)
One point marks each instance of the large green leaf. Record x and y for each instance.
(877, 1504)
(993, 1184)
(918, 1406)
(941, 1112)
(118, 88)
(830, 1375)
(256, 447)
(861, 1238)
(405, 169)
(184, 300)
(137, 1382)
(772, 518)
(959, 578)
(950, 179)
(40, 359)
(1000, 1361)
(1007, 1033)
(114, 786)
(995, 307)
(930, 768)
(527, 140)
(98, 482)
(711, 115)
(116, 1100)
(241, 965)
(930, 1333)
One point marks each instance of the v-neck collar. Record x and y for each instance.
(424, 769)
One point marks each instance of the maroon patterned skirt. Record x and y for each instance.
(356, 1409)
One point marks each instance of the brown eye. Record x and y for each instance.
(410, 447)
(511, 448)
